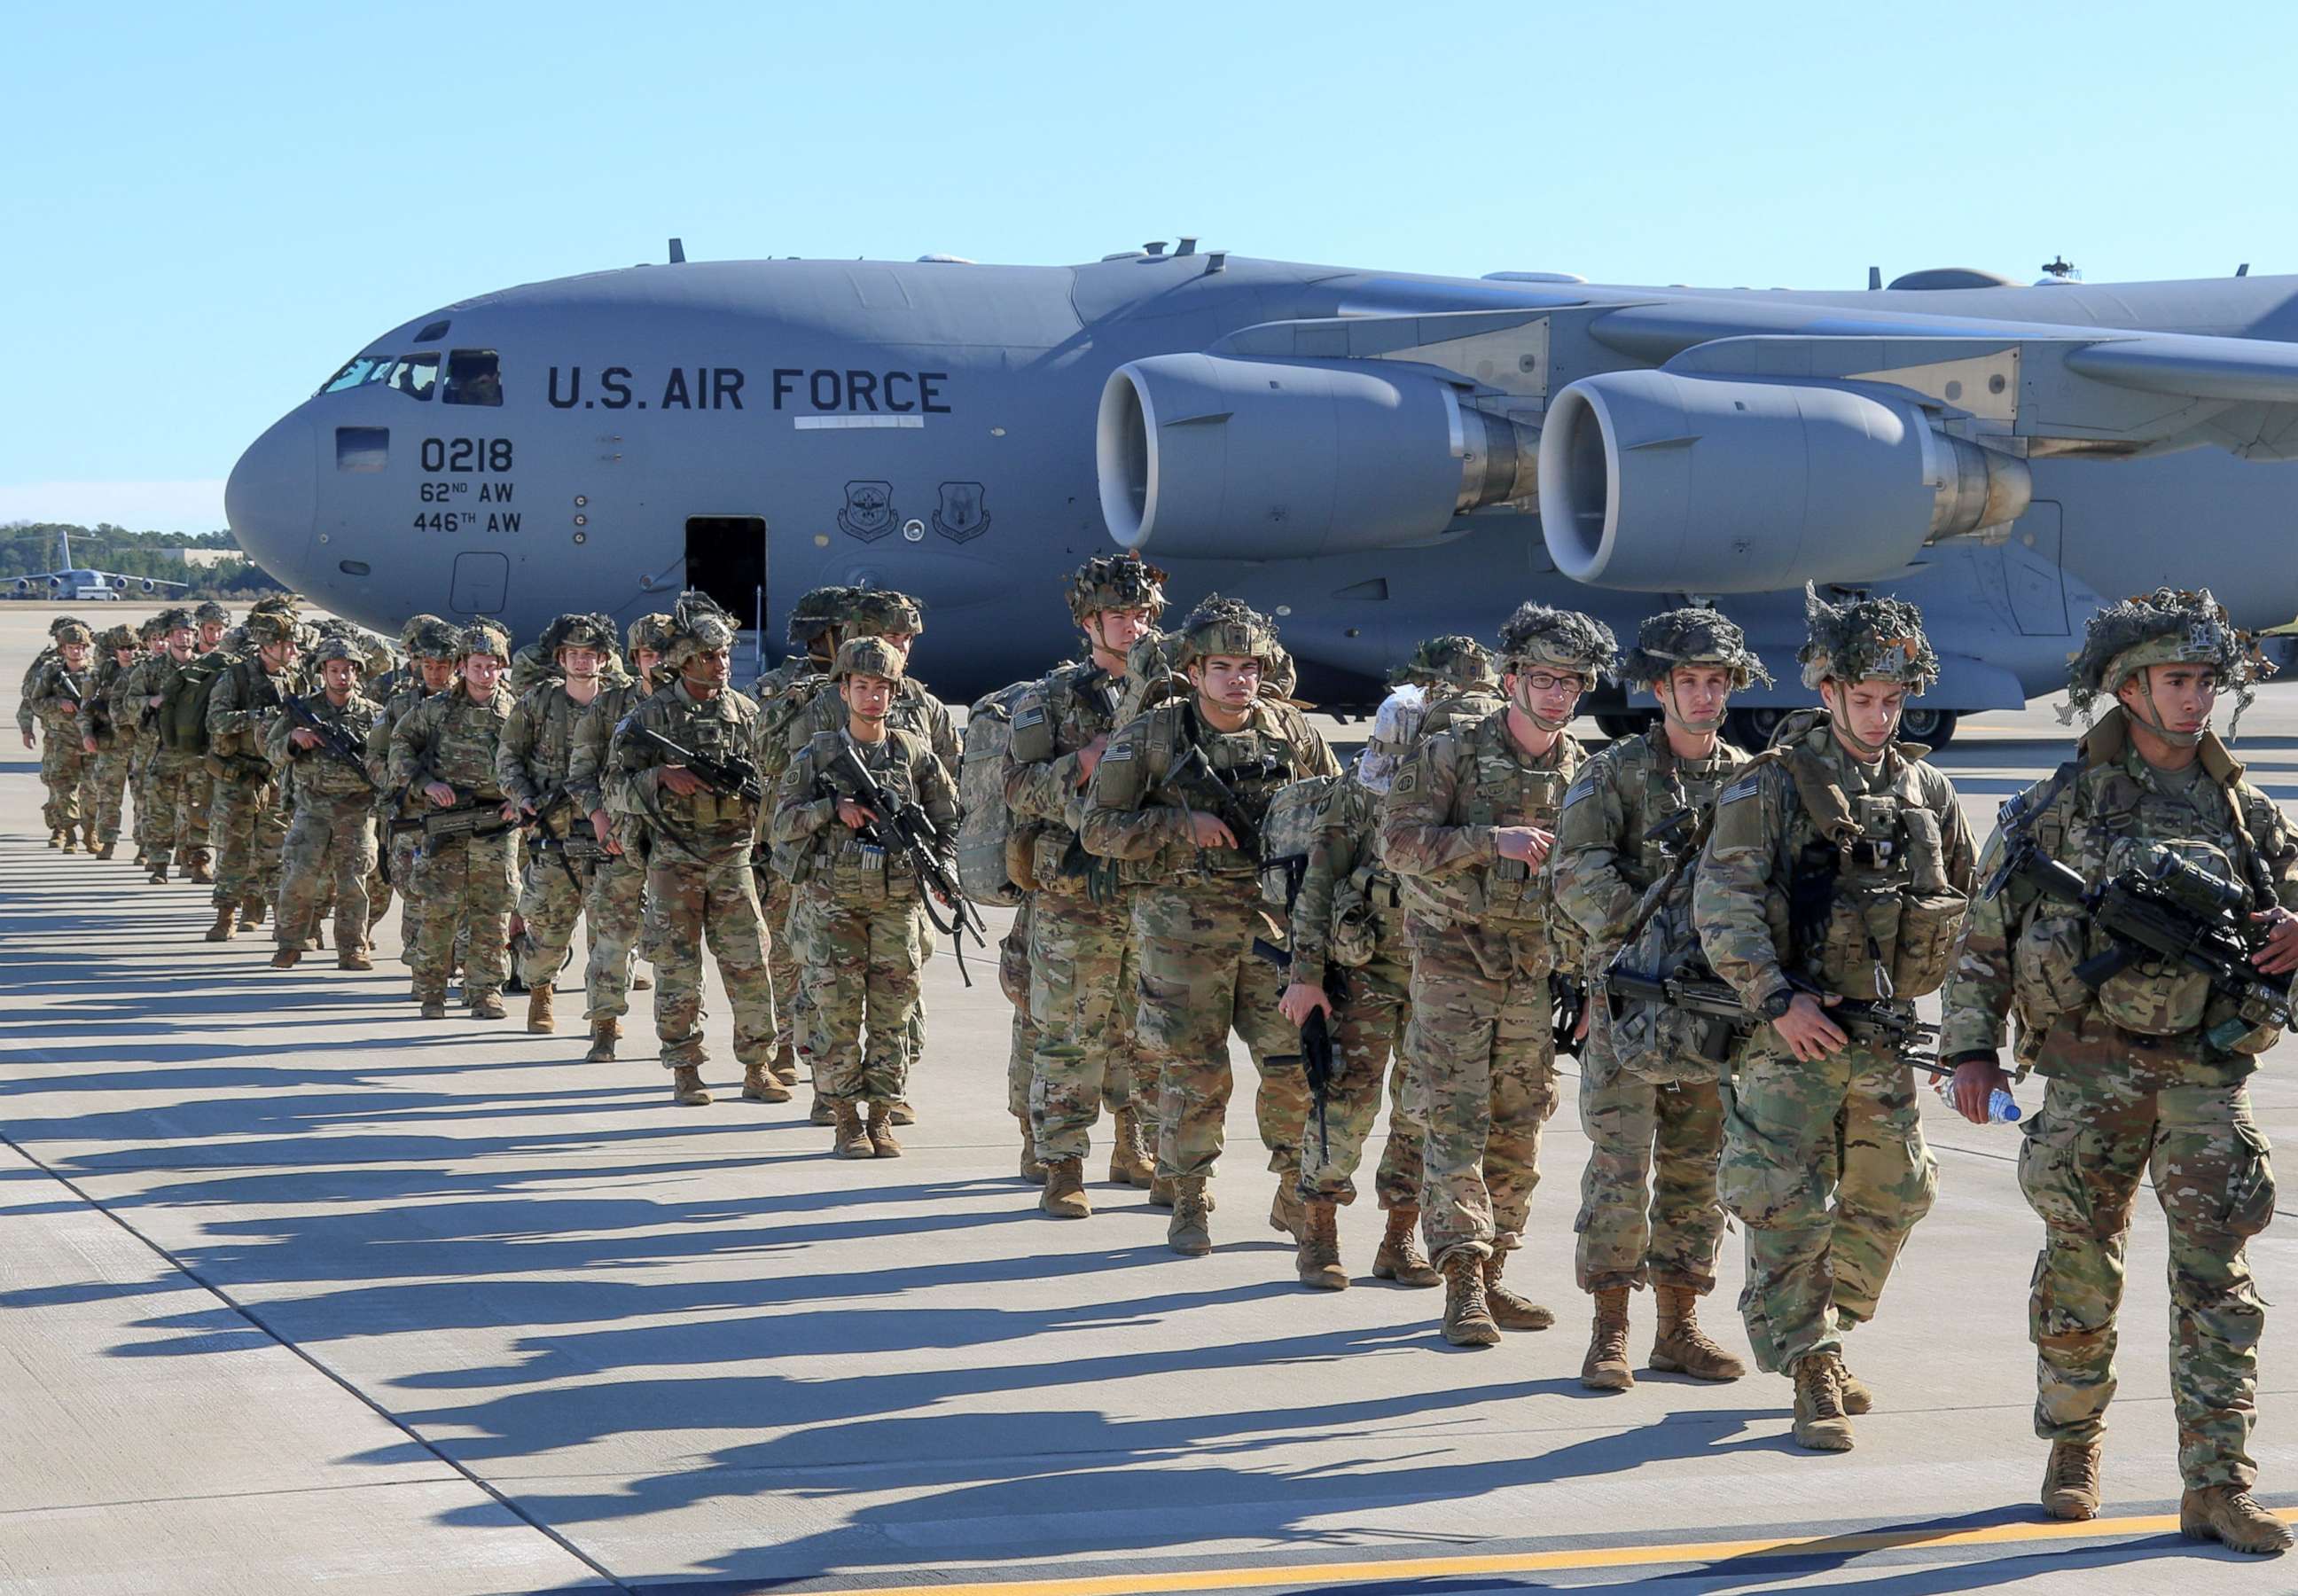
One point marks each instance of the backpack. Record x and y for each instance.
(1296, 813)
(986, 832)
(184, 710)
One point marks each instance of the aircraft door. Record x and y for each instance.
(481, 584)
(726, 558)
(2032, 575)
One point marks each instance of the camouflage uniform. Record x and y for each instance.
(1196, 911)
(115, 740)
(699, 879)
(331, 839)
(403, 843)
(616, 903)
(1481, 930)
(246, 823)
(464, 882)
(63, 764)
(178, 783)
(131, 709)
(857, 919)
(2136, 1088)
(531, 766)
(1825, 1162)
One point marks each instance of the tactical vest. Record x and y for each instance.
(1079, 703)
(855, 870)
(716, 729)
(460, 746)
(1495, 788)
(1254, 764)
(1369, 902)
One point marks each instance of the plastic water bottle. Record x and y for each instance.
(2002, 1107)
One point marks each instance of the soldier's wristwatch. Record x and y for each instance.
(1776, 1005)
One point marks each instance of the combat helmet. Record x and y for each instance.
(649, 631)
(74, 632)
(1230, 627)
(151, 626)
(176, 619)
(2167, 627)
(436, 639)
(264, 627)
(483, 637)
(1116, 581)
(867, 657)
(211, 611)
(817, 610)
(1693, 635)
(1450, 661)
(56, 627)
(122, 636)
(335, 646)
(579, 631)
(1561, 640)
(414, 629)
(881, 612)
(1866, 639)
(698, 625)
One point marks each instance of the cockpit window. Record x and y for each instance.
(473, 377)
(358, 370)
(416, 375)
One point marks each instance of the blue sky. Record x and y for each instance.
(208, 208)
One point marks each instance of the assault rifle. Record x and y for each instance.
(333, 743)
(905, 827)
(2166, 907)
(733, 777)
(1698, 992)
(467, 816)
(1569, 995)
(1316, 1055)
(1226, 807)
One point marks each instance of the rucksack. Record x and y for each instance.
(986, 829)
(1296, 813)
(184, 710)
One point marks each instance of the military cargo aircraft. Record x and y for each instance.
(81, 585)
(1372, 456)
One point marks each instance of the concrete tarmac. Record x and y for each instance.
(296, 1289)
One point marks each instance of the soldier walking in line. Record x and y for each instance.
(617, 906)
(107, 743)
(331, 839)
(247, 825)
(53, 697)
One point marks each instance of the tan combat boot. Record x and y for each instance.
(1190, 1231)
(1033, 1168)
(2230, 1515)
(226, 926)
(1683, 1348)
(686, 1088)
(488, 1006)
(71, 842)
(1065, 1197)
(1286, 1214)
(1857, 1398)
(1821, 1423)
(1399, 1258)
(759, 1086)
(1467, 1317)
(604, 1034)
(540, 1020)
(250, 913)
(900, 1111)
(2071, 1480)
(202, 871)
(847, 1136)
(882, 1131)
(434, 1005)
(319, 937)
(821, 1111)
(104, 848)
(284, 959)
(159, 876)
(353, 958)
(1161, 1190)
(785, 1068)
(1509, 1310)
(57, 837)
(639, 983)
(1318, 1260)
(1129, 1162)
(1605, 1366)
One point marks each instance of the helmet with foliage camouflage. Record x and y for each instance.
(338, 647)
(176, 619)
(56, 627)
(580, 631)
(649, 631)
(265, 628)
(284, 604)
(881, 612)
(152, 626)
(1225, 627)
(698, 625)
(1450, 661)
(1561, 640)
(1866, 639)
(76, 632)
(817, 610)
(1116, 581)
(2167, 627)
(211, 612)
(1693, 635)
(414, 628)
(436, 639)
(867, 657)
(122, 636)
(483, 637)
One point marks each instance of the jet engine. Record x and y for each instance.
(1660, 482)
(23, 586)
(150, 586)
(1211, 456)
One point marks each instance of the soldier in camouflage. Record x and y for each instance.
(1838, 858)
(1177, 802)
(1456, 677)
(130, 709)
(701, 841)
(617, 906)
(380, 688)
(1081, 961)
(1654, 1114)
(2147, 1074)
(856, 920)
(179, 783)
(1468, 828)
(56, 693)
(26, 720)
(331, 839)
(246, 823)
(442, 751)
(1347, 922)
(108, 742)
(431, 650)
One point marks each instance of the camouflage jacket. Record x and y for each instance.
(782, 695)
(813, 847)
(99, 713)
(1438, 833)
(449, 738)
(241, 709)
(52, 687)
(1604, 859)
(130, 698)
(1139, 808)
(25, 714)
(318, 775)
(394, 709)
(915, 710)
(1349, 910)
(536, 758)
(1776, 882)
(706, 827)
(586, 757)
(2020, 954)
(1044, 779)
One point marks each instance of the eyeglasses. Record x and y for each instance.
(1542, 682)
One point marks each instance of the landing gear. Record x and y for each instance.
(1630, 723)
(1934, 728)
(1752, 729)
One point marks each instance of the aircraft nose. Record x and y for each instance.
(272, 497)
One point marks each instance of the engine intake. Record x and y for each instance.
(1659, 483)
(1211, 456)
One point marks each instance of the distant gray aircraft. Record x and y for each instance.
(82, 583)
(1371, 456)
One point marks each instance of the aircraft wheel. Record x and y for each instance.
(1752, 729)
(1935, 727)
(1630, 724)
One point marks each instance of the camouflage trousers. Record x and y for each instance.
(1083, 998)
(141, 763)
(1013, 981)
(775, 899)
(1649, 1213)
(464, 885)
(404, 847)
(63, 772)
(2080, 1166)
(105, 791)
(551, 897)
(859, 959)
(1367, 1031)
(1485, 1053)
(1199, 980)
(615, 909)
(249, 832)
(178, 786)
(686, 903)
(330, 843)
(1825, 1165)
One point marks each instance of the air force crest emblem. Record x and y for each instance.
(959, 516)
(869, 511)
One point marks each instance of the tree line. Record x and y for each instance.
(29, 546)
